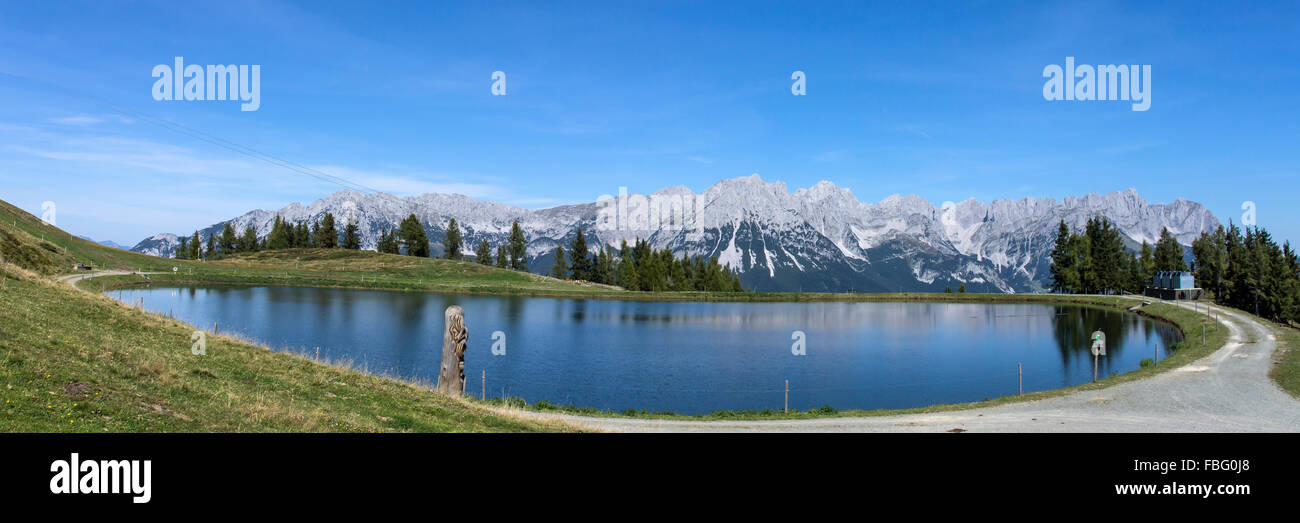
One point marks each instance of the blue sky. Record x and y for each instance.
(942, 100)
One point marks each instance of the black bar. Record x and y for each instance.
(234, 472)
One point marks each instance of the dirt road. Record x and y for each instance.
(72, 279)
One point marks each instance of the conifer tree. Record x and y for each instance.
(483, 253)
(351, 236)
(518, 248)
(453, 241)
(627, 273)
(581, 262)
(1065, 262)
(248, 243)
(228, 240)
(388, 242)
(603, 272)
(211, 249)
(561, 268)
(281, 237)
(503, 260)
(413, 237)
(1146, 262)
(327, 234)
(1169, 253)
(1211, 253)
(302, 236)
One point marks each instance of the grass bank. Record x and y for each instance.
(338, 268)
(1286, 362)
(72, 361)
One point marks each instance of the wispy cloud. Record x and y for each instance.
(88, 119)
(416, 183)
(1127, 148)
(539, 203)
(831, 156)
(913, 129)
(101, 154)
(127, 152)
(77, 120)
(127, 187)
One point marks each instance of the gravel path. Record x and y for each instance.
(72, 279)
(1227, 391)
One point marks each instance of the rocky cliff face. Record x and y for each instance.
(163, 245)
(817, 239)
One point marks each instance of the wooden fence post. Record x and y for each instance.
(787, 397)
(451, 376)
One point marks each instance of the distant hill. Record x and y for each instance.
(163, 245)
(107, 243)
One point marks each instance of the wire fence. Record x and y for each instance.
(787, 395)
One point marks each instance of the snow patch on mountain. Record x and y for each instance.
(822, 237)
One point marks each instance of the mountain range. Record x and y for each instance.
(821, 238)
(106, 243)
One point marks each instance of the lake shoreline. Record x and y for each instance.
(702, 297)
(1161, 312)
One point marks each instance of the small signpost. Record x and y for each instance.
(1020, 374)
(1098, 350)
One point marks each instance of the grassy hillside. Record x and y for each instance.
(1286, 363)
(49, 250)
(28, 242)
(358, 269)
(72, 361)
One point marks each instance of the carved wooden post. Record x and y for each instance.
(451, 377)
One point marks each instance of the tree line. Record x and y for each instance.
(411, 239)
(637, 268)
(1246, 269)
(321, 234)
(1096, 261)
(642, 268)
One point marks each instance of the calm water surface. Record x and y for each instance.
(687, 357)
